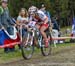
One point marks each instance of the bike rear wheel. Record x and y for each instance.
(46, 51)
(27, 45)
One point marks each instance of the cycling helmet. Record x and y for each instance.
(32, 9)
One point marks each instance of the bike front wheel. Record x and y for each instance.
(27, 45)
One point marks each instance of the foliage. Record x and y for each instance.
(62, 8)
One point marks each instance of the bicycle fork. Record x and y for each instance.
(40, 41)
(30, 36)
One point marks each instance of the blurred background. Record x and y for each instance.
(63, 9)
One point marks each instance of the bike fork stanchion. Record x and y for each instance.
(32, 38)
(27, 39)
(40, 41)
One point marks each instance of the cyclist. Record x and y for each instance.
(39, 17)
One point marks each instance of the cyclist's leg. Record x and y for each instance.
(42, 30)
(35, 40)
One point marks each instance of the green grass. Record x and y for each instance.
(11, 56)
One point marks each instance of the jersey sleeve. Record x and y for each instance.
(42, 15)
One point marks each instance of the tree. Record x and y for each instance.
(62, 8)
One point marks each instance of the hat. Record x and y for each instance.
(4, 1)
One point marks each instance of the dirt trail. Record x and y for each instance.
(63, 57)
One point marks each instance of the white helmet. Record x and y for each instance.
(32, 9)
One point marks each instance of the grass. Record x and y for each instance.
(8, 57)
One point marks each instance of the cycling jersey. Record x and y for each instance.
(40, 17)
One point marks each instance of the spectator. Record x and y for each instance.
(55, 24)
(5, 21)
(23, 16)
(22, 19)
(73, 25)
(43, 8)
(55, 29)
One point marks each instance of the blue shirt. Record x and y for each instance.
(55, 25)
(48, 15)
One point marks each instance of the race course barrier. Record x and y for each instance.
(59, 38)
(11, 44)
(63, 38)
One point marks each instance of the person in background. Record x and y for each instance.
(73, 29)
(23, 16)
(6, 22)
(22, 19)
(43, 8)
(55, 29)
(47, 13)
(73, 25)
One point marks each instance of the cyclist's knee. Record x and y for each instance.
(42, 30)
